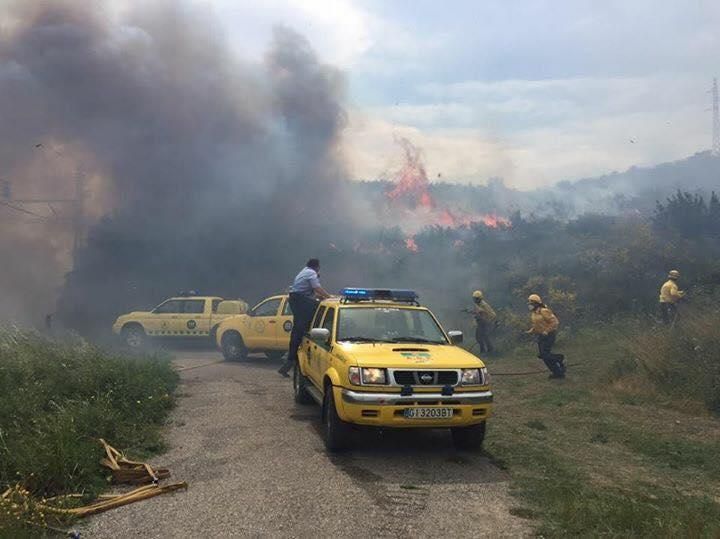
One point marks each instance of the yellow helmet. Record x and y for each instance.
(674, 274)
(534, 298)
(477, 294)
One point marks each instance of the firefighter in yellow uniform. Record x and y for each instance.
(545, 325)
(484, 319)
(670, 294)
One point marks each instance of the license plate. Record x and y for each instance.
(428, 413)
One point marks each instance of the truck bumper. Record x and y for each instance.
(388, 409)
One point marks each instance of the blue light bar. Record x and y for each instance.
(370, 294)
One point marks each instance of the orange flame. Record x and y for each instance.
(412, 185)
(410, 245)
(412, 192)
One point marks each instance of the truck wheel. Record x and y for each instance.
(337, 431)
(233, 347)
(133, 335)
(469, 438)
(275, 354)
(299, 384)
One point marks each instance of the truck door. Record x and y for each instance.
(324, 349)
(262, 326)
(162, 320)
(312, 350)
(195, 319)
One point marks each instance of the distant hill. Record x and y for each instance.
(637, 188)
(634, 190)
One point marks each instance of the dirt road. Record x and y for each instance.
(256, 466)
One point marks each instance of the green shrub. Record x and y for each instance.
(58, 398)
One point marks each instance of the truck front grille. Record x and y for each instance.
(425, 378)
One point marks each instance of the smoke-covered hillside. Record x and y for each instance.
(634, 190)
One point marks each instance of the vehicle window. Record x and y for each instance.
(329, 319)
(268, 308)
(389, 325)
(170, 306)
(194, 306)
(318, 317)
(287, 311)
(215, 304)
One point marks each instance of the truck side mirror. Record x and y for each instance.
(456, 337)
(320, 334)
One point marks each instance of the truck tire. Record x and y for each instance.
(299, 384)
(233, 347)
(133, 335)
(275, 355)
(337, 432)
(469, 438)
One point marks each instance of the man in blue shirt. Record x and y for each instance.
(304, 293)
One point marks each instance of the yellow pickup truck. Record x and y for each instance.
(264, 328)
(184, 316)
(378, 358)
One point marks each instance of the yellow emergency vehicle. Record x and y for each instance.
(184, 316)
(378, 358)
(264, 328)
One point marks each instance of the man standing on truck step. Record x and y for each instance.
(484, 321)
(545, 325)
(304, 293)
(670, 294)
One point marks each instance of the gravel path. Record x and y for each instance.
(256, 466)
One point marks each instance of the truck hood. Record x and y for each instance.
(410, 355)
(133, 314)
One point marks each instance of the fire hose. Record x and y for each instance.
(523, 373)
(181, 369)
(122, 469)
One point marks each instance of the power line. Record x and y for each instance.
(22, 210)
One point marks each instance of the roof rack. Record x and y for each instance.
(187, 293)
(396, 295)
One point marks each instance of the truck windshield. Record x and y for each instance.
(388, 324)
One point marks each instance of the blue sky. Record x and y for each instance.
(532, 91)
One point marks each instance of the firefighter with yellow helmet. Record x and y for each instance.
(545, 325)
(484, 321)
(670, 295)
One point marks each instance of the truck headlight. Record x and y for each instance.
(354, 375)
(470, 377)
(374, 376)
(485, 376)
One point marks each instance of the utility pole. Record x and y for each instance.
(77, 203)
(716, 119)
(79, 217)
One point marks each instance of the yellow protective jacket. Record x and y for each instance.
(483, 312)
(543, 321)
(670, 293)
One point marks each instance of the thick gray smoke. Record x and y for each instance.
(189, 142)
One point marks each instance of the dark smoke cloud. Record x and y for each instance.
(206, 158)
